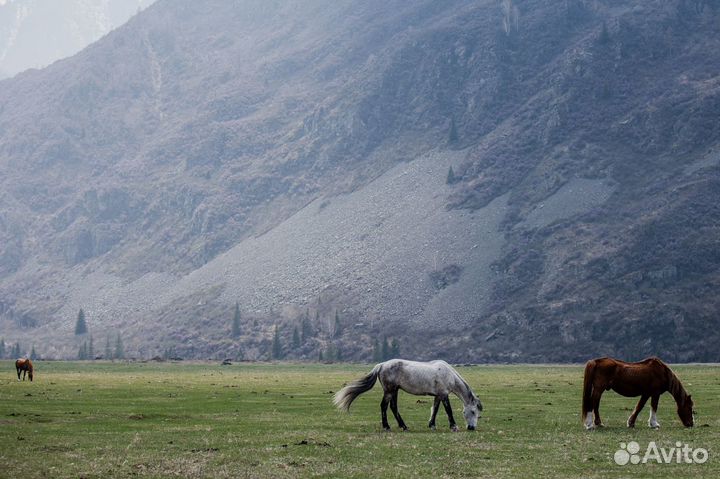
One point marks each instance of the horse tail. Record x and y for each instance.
(587, 387)
(344, 398)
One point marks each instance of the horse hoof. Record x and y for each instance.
(454, 428)
(589, 427)
(432, 428)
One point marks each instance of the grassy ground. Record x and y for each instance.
(261, 420)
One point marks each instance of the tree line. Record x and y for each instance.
(86, 349)
(304, 336)
(14, 351)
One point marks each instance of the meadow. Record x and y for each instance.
(102, 419)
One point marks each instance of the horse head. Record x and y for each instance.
(686, 412)
(471, 412)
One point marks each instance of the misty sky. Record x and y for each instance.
(35, 33)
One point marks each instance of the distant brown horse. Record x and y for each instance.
(648, 379)
(26, 366)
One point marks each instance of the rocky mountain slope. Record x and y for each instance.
(481, 181)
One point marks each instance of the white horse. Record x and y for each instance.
(434, 378)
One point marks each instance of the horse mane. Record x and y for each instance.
(675, 387)
(464, 383)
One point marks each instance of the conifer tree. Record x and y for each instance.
(2, 348)
(169, 353)
(119, 349)
(385, 349)
(16, 350)
(394, 349)
(276, 344)
(338, 326)
(33, 354)
(108, 351)
(377, 353)
(306, 329)
(80, 324)
(453, 133)
(451, 178)
(236, 322)
(296, 338)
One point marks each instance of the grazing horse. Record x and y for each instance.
(648, 379)
(434, 378)
(26, 366)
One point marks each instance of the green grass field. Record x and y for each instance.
(264, 420)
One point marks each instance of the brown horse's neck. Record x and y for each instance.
(676, 388)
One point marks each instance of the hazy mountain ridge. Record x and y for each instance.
(140, 173)
(35, 33)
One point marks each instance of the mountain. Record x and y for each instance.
(35, 33)
(478, 181)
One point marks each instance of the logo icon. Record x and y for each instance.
(627, 453)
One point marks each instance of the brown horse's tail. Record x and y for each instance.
(587, 388)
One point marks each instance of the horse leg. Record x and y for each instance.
(434, 411)
(396, 413)
(653, 422)
(448, 410)
(593, 406)
(383, 411)
(18, 373)
(597, 394)
(636, 411)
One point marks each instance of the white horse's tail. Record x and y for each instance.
(344, 398)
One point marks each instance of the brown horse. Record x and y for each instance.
(26, 366)
(648, 379)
